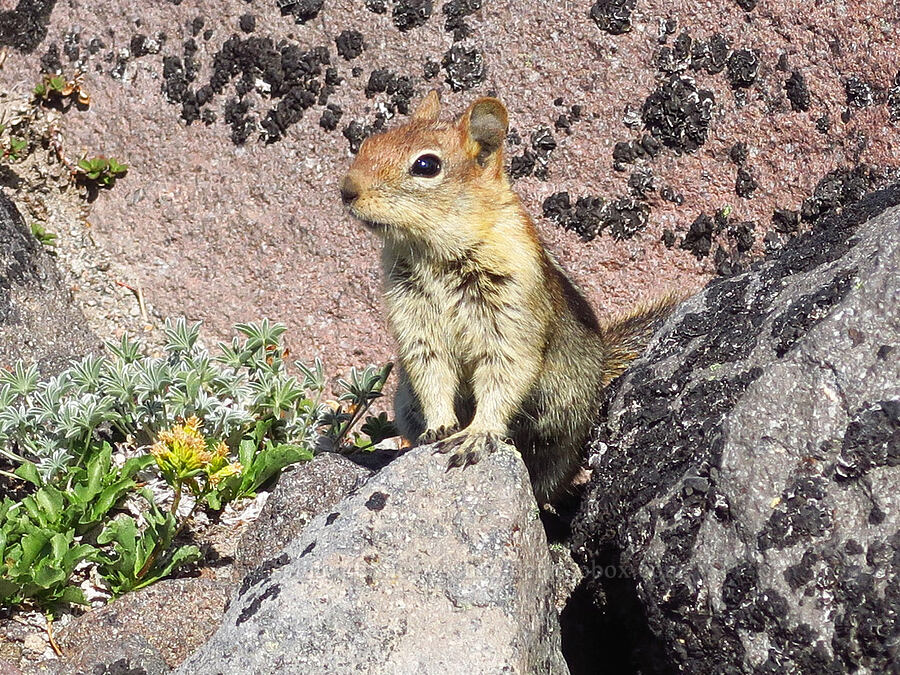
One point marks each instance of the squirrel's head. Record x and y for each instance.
(430, 180)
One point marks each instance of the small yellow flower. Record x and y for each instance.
(182, 449)
(232, 469)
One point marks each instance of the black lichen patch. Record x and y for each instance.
(25, 27)
(522, 165)
(377, 6)
(745, 184)
(430, 69)
(50, 61)
(455, 12)
(837, 189)
(711, 55)
(743, 66)
(893, 99)
(859, 92)
(612, 16)
(626, 152)
(331, 518)
(589, 216)
(738, 153)
(565, 120)
(808, 310)
(872, 440)
(464, 68)
(626, 217)
(740, 585)
(885, 352)
(797, 92)
(399, 89)
(301, 10)
(786, 221)
(676, 58)
(641, 182)
(247, 23)
(698, 239)
(376, 501)
(801, 515)
(865, 629)
(409, 14)
(678, 114)
(142, 45)
(356, 132)
(801, 574)
(350, 44)
(742, 234)
(535, 157)
(257, 70)
(263, 571)
(330, 117)
(270, 593)
(309, 549)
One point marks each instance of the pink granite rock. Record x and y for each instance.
(229, 232)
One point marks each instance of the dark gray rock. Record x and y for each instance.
(163, 622)
(302, 491)
(746, 480)
(38, 320)
(424, 570)
(108, 654)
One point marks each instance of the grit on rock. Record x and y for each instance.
(237, 118)
(745, 483)
(421, 571)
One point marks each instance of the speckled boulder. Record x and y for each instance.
(746, 480)
(38, 320)
(422, 571)
(153, 629)
(300, 493)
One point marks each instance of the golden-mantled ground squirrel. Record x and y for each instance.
(494, 340)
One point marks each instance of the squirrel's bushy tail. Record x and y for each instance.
(627, 335)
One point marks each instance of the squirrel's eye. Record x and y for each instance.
(427, 166)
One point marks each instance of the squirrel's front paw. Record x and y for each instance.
(430, 436)
(468, 447)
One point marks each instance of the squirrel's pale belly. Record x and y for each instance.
(439, 311)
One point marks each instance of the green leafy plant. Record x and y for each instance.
(360, 391)
(57, 91)
(101, 171)
(44, 237)
(41, 537)
(217, 427)
(142, 555)
(12, 147)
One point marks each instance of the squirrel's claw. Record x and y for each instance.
(469, 447)
(430, 436)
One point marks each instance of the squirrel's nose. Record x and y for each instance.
(349, 190)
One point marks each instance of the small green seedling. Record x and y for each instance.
(14, 148)
(44, 237)
(58, 92)
(101, 171)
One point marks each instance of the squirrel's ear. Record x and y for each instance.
(429, 108)
(485, 124)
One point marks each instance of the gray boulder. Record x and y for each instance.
(301, 492)
(38, 320)
(747, 479)
(424, 570)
